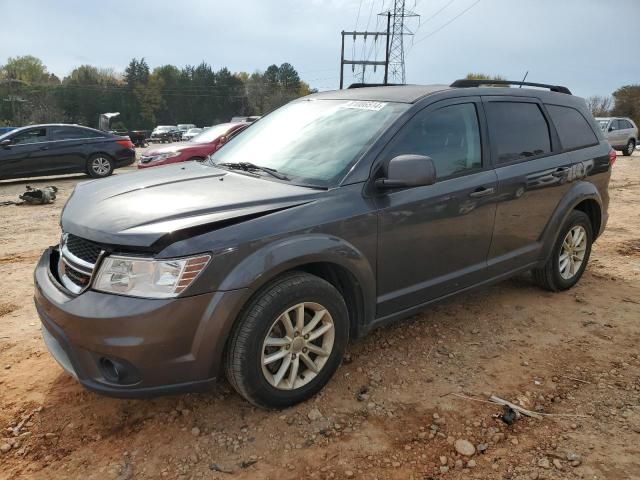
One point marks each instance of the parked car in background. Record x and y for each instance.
(184, 128)
(250, 119)
(335, 214)
(164, 133)
(192, 132)
(198, 148)
(4, 130)
(56, 149)
(622, 133)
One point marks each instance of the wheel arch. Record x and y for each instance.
(328, 257)
(583, 196)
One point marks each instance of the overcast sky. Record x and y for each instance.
(583, 44)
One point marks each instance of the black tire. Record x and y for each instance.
(631, 146)
(549, 277)
(244, 349)
(100, 165)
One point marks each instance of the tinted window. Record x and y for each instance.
(615, 124)
(69, 133)
(450, 136)
(518, 130)
(572, 127)
(625, 124)
(30, 136)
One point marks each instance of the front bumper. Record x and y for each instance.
(160, 346)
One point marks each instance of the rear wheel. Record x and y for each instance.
(288, 342)
(100, 166)
(570, 255)
(631, 145)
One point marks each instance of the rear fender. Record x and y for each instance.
(578, 193)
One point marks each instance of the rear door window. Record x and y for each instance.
(518, 130)
(572, 127)
(72, 133)
(449, 135)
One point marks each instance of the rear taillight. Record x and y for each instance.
(125, 143)
(612, 157)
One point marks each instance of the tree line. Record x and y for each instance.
(169, 95)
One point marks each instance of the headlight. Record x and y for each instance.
(164, 156)
(146, 277)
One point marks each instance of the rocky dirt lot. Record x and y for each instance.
(408, 403)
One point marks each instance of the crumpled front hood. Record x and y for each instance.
(138, 209)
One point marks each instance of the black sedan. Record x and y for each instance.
(58, 149)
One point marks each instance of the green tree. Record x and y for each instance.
(627, 102)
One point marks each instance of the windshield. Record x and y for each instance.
(210, 134)
(194, 130)
(312, 141)
(163, 129)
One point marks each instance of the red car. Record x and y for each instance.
(198, 148)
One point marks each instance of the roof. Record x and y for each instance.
(397, 93)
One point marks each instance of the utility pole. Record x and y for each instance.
(365, 62)
(399, 30)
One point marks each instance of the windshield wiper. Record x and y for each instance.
(248, 167)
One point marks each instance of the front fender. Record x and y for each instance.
(578, 193)
(286, 254)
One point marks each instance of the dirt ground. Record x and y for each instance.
(394, 409)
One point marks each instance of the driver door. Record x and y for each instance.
(26, 155)
(434, 240)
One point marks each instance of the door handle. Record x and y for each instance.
(560, 172)
(482, 192)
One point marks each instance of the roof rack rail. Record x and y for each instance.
(362, 85)
(476, 83)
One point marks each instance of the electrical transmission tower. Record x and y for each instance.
(399, 30)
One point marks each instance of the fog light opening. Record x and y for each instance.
(111, 370)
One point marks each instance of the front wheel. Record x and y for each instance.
(629, 148)
(570, 254)
(100, 166)
(288, 342)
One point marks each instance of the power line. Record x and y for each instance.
(430, 34)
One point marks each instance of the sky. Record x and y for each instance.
(590, 46)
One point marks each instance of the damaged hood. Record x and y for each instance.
(138, 209)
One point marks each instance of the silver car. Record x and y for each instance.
(621, 133)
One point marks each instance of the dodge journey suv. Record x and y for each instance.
(337, 213)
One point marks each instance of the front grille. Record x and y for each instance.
(78, 259)
(79, 278)
(83, 249)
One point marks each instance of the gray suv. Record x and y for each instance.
(622, 133)
(333, 215)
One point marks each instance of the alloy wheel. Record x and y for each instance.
(101, 166)
(297, 346)
(572, 252)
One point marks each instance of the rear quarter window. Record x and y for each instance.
(573, 129)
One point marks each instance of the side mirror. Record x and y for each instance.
(5, 143)
(408, 171)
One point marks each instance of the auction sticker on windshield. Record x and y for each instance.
(362, 105)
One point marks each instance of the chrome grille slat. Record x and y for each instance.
(78, 258)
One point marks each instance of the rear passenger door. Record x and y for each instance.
(533, 175)
(68, 148)
(616, 135)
